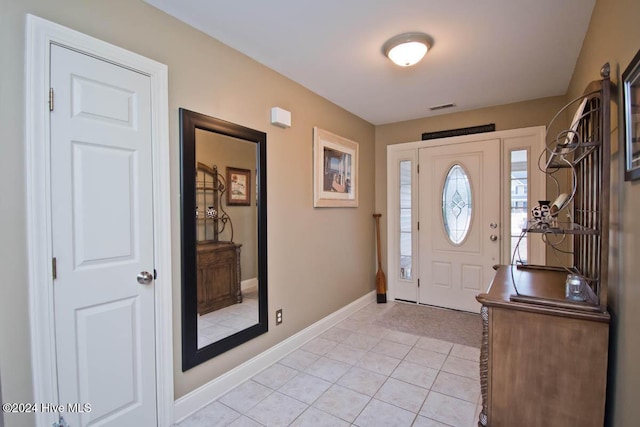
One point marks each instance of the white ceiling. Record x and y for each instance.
(485, 52)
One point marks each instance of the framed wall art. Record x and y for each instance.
(631, 117)
(239, 187)
(335, 170)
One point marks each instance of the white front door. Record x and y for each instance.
(459, 208)
(102, 228)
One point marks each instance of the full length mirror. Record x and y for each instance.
(224, 256)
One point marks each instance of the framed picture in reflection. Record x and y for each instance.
(238, 187)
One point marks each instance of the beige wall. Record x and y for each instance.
(613, 37)
(512, 116)
(310, 276)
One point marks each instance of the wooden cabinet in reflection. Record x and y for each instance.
(218, 276)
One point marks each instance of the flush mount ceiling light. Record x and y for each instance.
(407, 49)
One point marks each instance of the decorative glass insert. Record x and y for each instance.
(406, 237)
(519, 209)
(457, 204)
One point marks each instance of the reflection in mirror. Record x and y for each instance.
(224, 236)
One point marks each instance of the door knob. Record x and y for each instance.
(493, 237)
(144, 278)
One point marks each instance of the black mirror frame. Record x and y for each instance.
(189, 122)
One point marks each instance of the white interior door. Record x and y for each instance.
(459, 208)
(102, 228)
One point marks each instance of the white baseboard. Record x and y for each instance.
(249, 285)
(195, 400)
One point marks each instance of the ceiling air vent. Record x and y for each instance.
(442, 107)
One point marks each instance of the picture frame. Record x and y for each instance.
(631, 117)
(335, 170)
(238, 187)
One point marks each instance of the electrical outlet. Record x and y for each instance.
(278, 316)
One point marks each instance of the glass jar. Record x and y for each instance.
(574, 288)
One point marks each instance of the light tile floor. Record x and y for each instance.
(226, 321)
(359, 374)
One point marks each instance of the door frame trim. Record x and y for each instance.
(40, 34)
(392, 154)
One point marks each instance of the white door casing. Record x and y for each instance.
(88, 257)
(452, 274)
(102, 226)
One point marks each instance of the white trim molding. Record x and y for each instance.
(40, 34)
(195, 400)
(249, 285)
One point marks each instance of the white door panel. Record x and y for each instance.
(102, 227)
(108, 376)
(98, 202)
(453, 273)
(117, 105)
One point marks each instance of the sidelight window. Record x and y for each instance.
(406, 244)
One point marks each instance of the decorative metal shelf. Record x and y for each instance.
(211, 217)
(560, 228)
(583, 151)
(556, 163)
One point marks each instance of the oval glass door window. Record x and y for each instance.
(456, 204)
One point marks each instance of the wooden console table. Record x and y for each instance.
(540, 365)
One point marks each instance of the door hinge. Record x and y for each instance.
(61, 423)
(54, 268)
(418, 282)
(50, 99)
(418, 225)
(418, 168)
